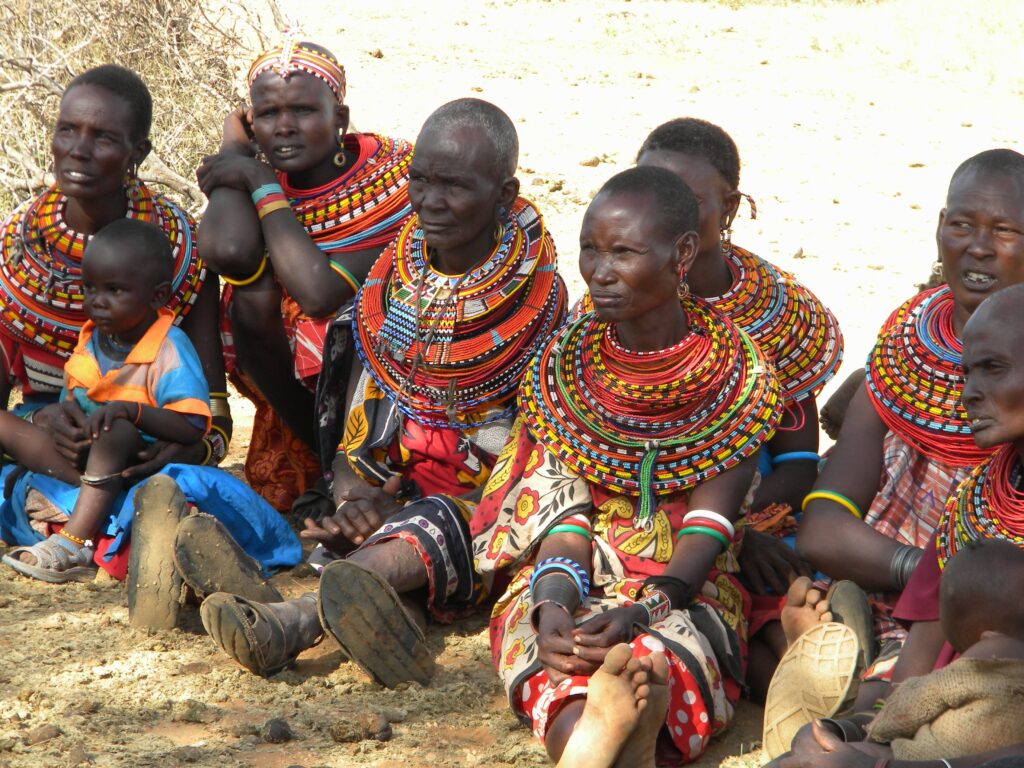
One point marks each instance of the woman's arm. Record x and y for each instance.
(830, 537)
(791, 480)
(300, 266)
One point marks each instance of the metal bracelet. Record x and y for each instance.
(903, 563)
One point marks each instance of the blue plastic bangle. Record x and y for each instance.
(795, 456)
(539, 573)
(261, 192)
(565, 565)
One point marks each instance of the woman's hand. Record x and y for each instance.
(362, 512)
(228, 169)
(555, 644)
(595, 637)
(66, 422)
(238, 137)
(767, 562)
(816, 747)
(157, 455)
(103, 418)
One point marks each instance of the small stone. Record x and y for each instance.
(377, 53)
(361, 728)
(276, 731)
(192, 711)
(77, 755)
(195, 668)
(394, 714)
(42, 733)
(591, 162)
(553, 188)
(244, 729)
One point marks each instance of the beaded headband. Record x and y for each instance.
(293, 57)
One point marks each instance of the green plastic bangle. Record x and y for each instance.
(691, 529)
(567, 528)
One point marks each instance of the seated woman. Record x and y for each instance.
(609, 510)
(444, 326)
(945, 622)
(906, 442)
(796, 332)
(100, 138)
(299, 210)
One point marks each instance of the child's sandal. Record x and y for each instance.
(54, 562)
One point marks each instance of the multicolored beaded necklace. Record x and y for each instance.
(362, 208)
(40, 265)
(989, 504)
(451, 350)
(650, 424)
(796, 332)
(915, 380)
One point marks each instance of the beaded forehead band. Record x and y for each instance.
(293, 57)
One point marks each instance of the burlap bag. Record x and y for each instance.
(971, 706)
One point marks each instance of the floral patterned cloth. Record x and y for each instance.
(529, 491)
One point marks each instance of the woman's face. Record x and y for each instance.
(298, 123)
(631, 268)
(715, 196)
(993, 361)
(456, 189)
(93, 144)
(981, 238)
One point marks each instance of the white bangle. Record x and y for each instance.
(708, 514)
(945, 762)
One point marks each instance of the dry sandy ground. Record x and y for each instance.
(850, 119)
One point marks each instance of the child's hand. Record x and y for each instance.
(103, 418)
(68, 427)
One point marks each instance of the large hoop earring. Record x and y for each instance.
(499, 227)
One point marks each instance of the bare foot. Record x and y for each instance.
(652, 701)
(805, 607)
(833, 413)
(611, 713)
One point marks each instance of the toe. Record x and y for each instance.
(617, 659)
(798, 591)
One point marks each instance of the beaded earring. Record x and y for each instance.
(683, 289)
(725, 238)
(339, 158)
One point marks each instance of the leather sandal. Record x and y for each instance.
(365, 615)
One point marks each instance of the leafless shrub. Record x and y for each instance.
(192, 56)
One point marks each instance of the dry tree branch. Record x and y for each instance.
(191, 55)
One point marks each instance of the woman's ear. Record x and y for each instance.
(687, 246)
(509, 191)
(341, 117)
(141, 151)
(729, 210)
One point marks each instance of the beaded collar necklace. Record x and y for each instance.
(451, 349)
(989, 504)
(915, 380)
(651, 424)
(41, 291)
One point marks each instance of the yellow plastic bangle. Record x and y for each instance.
(833, 496)
(224, 434)
(248, 280)
(221, 395)
(268, 209)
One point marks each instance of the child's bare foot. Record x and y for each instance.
(611, 713)
(652, 702)
(805, 606)
(833, 413)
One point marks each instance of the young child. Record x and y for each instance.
(975, 704)
(132, 379)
